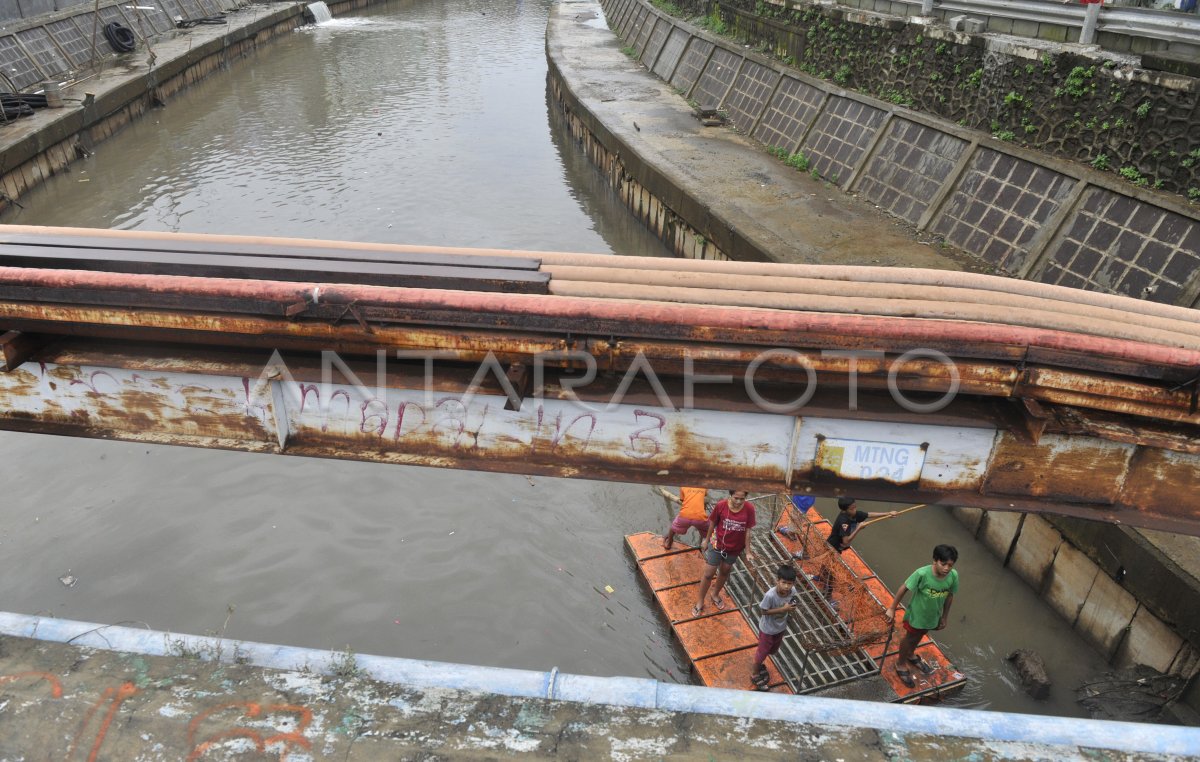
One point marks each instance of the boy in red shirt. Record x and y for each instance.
(731, 519)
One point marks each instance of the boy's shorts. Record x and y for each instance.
(681, 525)
(767, 645)
(714, 557)
(913, 630)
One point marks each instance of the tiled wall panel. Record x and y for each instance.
(71, 41)
(909, 168)
(671, 53)
(38, 44)
(692, 65)
(998, 206)
(16, 65)
(794, 105)
(1118, 244)
(716, 78)
(749, 95)
(841, 137)
(654, 44)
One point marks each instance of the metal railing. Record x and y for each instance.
(1170, 26)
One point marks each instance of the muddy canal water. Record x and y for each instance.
(416, 122)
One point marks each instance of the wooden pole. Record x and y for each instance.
(898, 513)
(95, 26)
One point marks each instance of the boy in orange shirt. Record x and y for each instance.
(694, 513)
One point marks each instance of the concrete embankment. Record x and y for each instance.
(86, 691)
(715, 193)
(126, 87)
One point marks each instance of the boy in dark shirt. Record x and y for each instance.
(847, 523)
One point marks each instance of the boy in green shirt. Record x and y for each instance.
(933, 589)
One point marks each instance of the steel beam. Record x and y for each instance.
(449, 424)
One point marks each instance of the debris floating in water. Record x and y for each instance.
(609, 589)
(68, 579)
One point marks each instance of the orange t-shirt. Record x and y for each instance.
(693, 503)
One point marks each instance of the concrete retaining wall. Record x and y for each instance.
(1103, 610)
(1024, 213)
(47, 39)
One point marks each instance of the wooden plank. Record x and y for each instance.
(713, 635)
(113, 246)
(732, 670)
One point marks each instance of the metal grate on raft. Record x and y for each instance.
(836, 618)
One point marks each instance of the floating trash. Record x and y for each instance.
(68, 579)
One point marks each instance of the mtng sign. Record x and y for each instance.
(859, 459)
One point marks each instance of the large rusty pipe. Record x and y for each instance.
(975, 377)
(697, 320)
(984, 379)
(881, 306)
(848, 273)
(743, 289)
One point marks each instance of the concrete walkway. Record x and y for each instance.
(726, 175)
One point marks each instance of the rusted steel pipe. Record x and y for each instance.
(848, 273)
(889, 307)
(832, 295)
(638, 317)
(977, 378)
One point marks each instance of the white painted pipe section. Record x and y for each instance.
(635, 691)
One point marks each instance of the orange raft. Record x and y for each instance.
(839, 641)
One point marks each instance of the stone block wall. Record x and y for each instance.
(1022, 212)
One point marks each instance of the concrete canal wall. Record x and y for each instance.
(1025, 213)
(1123, 610)
(1022, 212)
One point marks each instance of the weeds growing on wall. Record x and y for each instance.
(1065, 105)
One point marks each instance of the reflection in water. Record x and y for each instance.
(418, 122)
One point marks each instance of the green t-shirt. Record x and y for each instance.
(928, 597)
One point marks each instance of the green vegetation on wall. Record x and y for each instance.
(1066, 105)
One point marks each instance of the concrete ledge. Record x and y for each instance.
(627, 713)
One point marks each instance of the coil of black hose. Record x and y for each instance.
(213, 20)
(119, 37)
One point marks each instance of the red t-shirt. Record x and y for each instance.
(730, 528)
